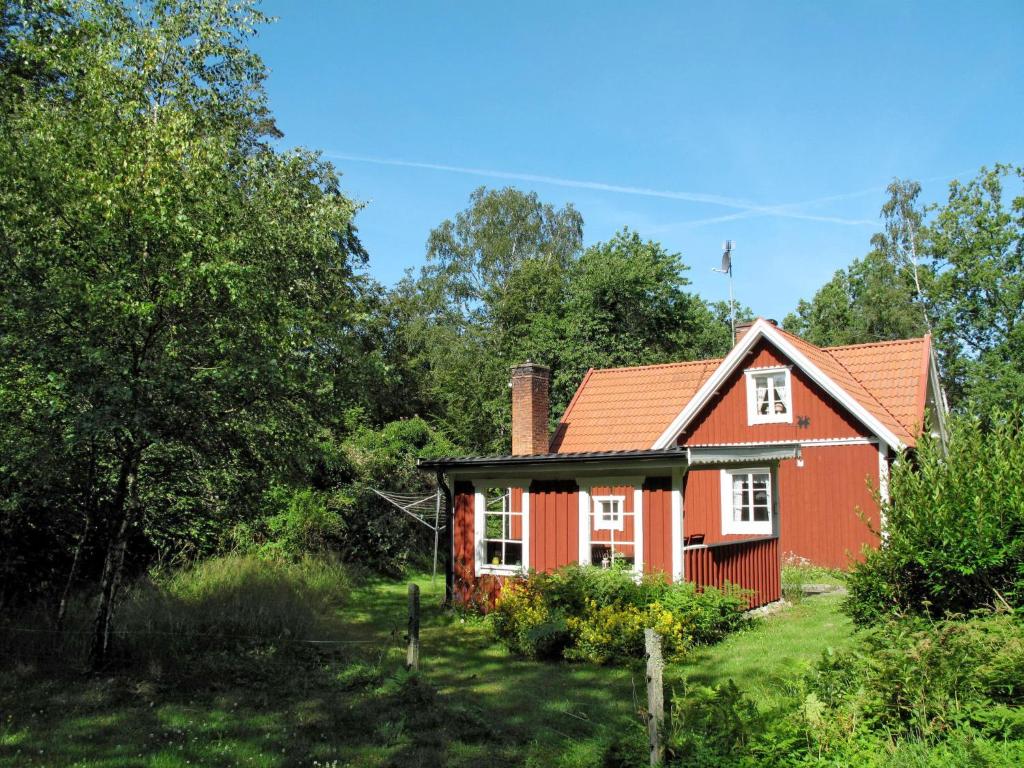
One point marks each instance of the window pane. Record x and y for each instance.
(513, 554)
(493, 525)
(779, 381)
(761, 383)
(494, 553)
(761, 514)
(738, 485)
(601, 554)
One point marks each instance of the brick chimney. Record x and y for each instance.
(530, 409)
(744, 326)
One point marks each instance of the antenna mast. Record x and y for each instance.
(727, 270)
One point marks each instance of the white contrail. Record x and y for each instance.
(747, 206)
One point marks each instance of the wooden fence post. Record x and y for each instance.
(655, 696)
(412, 653)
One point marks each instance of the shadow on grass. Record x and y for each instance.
(355, 705)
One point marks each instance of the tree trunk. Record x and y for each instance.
(123, 509)
(62, 606)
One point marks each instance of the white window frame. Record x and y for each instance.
(753, 417)
(586, 509)
(481, 566)
(618, 522)
(732, 526)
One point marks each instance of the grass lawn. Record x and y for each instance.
(352, 704)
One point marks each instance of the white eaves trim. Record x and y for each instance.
(763, 329)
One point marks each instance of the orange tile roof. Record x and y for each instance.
(629, 408)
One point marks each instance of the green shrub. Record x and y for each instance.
(910, 693)
(226, 604)
(230, 602)
(917, 677)
(954, 526)
(599, 615)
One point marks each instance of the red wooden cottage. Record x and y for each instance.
(706, 471)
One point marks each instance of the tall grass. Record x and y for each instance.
(227, 604)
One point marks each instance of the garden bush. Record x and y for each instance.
(908, 693)
(954, 536)
(924, 678)
(599, 615)
(172, 619)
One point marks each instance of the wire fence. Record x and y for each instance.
(70, 645)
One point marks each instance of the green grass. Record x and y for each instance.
(765, 660)
(353, 705)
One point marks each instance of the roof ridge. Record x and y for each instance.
(874, 343)
(680, 364)
(837, 361)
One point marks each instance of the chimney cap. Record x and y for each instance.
(745, 325)
(528, 366)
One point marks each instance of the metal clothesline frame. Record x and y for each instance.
(409, 503)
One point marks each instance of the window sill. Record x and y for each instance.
(758, 529)
(500, 570)
(784, 418)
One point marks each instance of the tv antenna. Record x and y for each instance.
(726, 269)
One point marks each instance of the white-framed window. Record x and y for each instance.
(502, 527)
(769, 395)
(747, 501)
(609, 512)
(611, 526)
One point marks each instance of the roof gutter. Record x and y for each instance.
(550, 459)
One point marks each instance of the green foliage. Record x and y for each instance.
(225, 605)
(182, 301)
(954, 526)
(955, 270)
(922, 679)
(599, 615)
(799, 572)
(978, 242)
(908, 693)
(508, 280)
(295, 522)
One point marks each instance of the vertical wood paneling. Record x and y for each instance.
(553, 514)
(751, 565)
(724, 418)
(819, 503)
(702, 505)
(657, 510)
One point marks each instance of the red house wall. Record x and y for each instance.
(657, 500)
(724, 419)
(554, 524)
(554, 538)
(818, 503)
(702, 506)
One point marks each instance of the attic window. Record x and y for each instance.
(769, 396)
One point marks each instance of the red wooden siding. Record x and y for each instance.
(819, 501)
(657, 501)
(724, 418)
(554, 524)
(625, 540)
(554, 537)
(468, 588)
(749, 564)
(702, 506)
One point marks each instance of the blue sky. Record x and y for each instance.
(774, 124)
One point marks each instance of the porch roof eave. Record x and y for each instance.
(613, 462)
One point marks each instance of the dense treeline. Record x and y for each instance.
(954, 270)
(194, 357)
